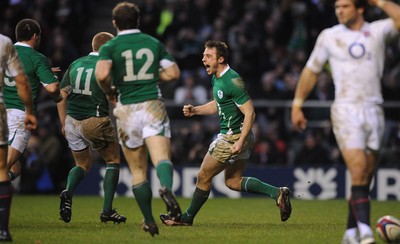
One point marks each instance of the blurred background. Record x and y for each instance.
(269, 40)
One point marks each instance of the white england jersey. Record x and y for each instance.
(9, 61)
(356, 59)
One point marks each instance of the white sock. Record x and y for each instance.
(352, 232)
(364, 229)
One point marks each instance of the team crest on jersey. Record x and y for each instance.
(220, 94)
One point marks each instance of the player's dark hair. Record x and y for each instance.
(360, 3)
(221, 47)
(100, 39)
(26, 28)
(126, 16)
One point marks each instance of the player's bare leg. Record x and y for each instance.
(160, 152)
(14, 166)
(361, 167)
(137, 161)
(75, 175)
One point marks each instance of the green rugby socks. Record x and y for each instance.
(254, 185)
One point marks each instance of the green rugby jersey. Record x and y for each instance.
(229, 92)
(85, 98)
(136, 58)
(38, 70)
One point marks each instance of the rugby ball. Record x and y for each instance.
(388, 229)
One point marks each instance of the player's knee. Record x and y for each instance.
(85, 166)
(112, 160)
(203, 177)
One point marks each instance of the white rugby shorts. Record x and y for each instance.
(358, 126)
(18, 136)
(136, 122)
(96, 132)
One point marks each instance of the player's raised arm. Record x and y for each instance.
(390, 8)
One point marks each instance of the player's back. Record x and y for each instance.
(85, 98)
(136, 58)
(4, 54)
(37, 68)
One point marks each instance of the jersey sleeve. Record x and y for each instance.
(320, 54)
(65, 82)
(105, 52)
(166, 59)
(44, 72)
(238, 92)
(13, 65)
(385, 28)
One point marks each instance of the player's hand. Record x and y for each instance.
(373, 2)
(55, 69)
(236, 147)
(299, 122)
(30, 122)
(112, 99)
(63, 130)
(112, 96)
(188, 110)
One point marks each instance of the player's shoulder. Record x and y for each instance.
(5, 44)
(5, 40)
(146, 39)
(232, 73)
(150, 38)
(30, 52)
(380, 24)
(235, 80)
(333, 30)
(84, 59)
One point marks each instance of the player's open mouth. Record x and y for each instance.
(207, 67)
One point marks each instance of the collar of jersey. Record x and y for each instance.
(130, 31)
(224, 71)
(364, 27)
(21, 44)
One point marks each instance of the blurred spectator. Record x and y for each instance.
(264, 153)
(150, 13)
(190, 92)
(33, 168)
(62, 53)
(390, 155)
(312, 152)
(299, 36)
(268, 88)
(53, 151)
(324, 91)
(391, 92)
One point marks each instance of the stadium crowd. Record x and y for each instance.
(270, 41)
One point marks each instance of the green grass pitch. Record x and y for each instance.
(35, 219)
